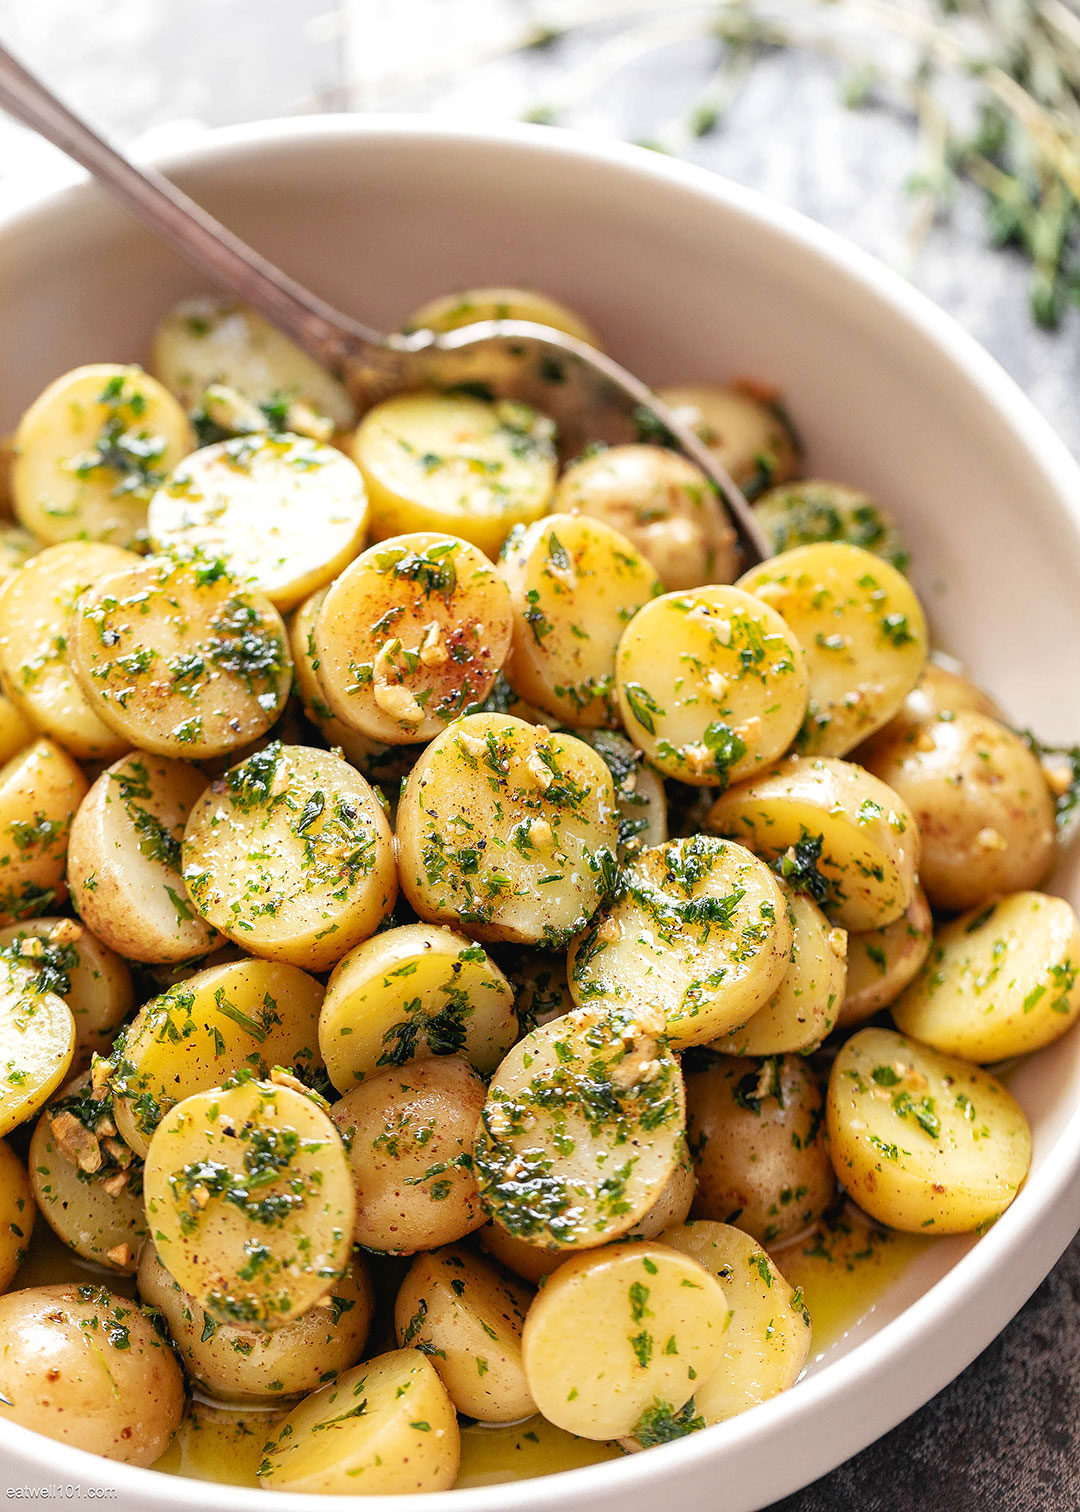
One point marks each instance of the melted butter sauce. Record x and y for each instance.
(843, 1266)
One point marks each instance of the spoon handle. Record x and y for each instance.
(178, 220)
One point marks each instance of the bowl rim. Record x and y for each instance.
(1026, 1242)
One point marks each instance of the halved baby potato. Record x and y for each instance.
(384, 1427)
(87, 1184)
(409, 1133)
(581, 1130)
(284, 513)
(613, 1333)
(660, 501)
(236, 1364)
(575, 584)
(38, 607)
(881, 962)
(467, 1317)
(768, 1333)
(806, 1005)
(712, 684)
(1000, 981)
(923, 1141)
(448, 312)
(833, 831)
(124, 860)
(450, 462)
(744, 426)
(17, 1213)
(812, 510)
(250, 1202)
(863, 633)
(241, 1015)
(411, 635)
(90, 451)
(208, 339)
(417, 990)
(290, 856)
(61, 956)
(180, 659)
(698, 931)
(40, 789)
(507, 830)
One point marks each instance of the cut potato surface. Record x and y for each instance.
(673, 1204)
(86, 1184)
(836, 832)
(448, 312)
(756, 1130)
(290, 855)
(801, 514)
(88, 1368)
(17, 546)
(863, 633)
(508, 830)
(613, 1333)
(467, 1317)
(377, 761)
(923, 1141)
(575, 584)
(37, 1045)
(881, 962)
(90, 451)
(421, 989)
(409, 1136)
(744, 427)
(40, 789)
(806, 1005)
(211, 339)
(698, 931)
(767, 1337)
(412, 635)
(284, 513)
(385, 1427)
(581, 1130)
(38, 608)
(660, 501)
(124, 860)
(712, 684)
(250, 1202)
(250, 1365)
(449, 462)
(61, 956)
(981, 800)
(180, 659)
(1001, 981)
(243, 1015)
(17, 1212)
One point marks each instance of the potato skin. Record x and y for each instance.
(17, 1214)
(408, 1133)
(86, 1367)
(745, 428)
(246, 1365)
(981, 802)
(881, 962)
(756, 1131)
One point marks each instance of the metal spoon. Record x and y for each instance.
(590, 397)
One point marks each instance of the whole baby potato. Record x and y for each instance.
(981, 802)
(756, 1131)
(87, 1367)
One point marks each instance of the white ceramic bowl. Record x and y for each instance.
(687, 277)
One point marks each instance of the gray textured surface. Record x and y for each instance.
(1005, 1436)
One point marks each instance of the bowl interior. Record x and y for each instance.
(683, 284)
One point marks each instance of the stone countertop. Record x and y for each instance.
(1005, 1436)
